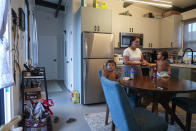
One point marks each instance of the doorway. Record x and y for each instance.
(47, 54)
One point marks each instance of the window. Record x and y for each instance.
(27, 30)
(190, 35)
(5, 94)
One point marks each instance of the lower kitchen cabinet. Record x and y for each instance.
(187, 74)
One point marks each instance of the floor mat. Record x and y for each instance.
(96, 122)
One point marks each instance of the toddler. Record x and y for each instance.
(109, 72)
(163, 67)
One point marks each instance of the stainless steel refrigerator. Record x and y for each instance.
(97, 48)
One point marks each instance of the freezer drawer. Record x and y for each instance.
(91, 87)
(97, 45)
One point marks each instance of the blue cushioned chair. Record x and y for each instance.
(131, 99)
(124, 117)
(187, 104)
(107, 109)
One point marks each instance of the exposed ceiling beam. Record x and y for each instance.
(58, 7)
(189, 8)
(49, 4)
(177, 9)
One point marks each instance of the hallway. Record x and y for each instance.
(65, 109)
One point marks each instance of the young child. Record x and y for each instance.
(163, 67)
(109, 72)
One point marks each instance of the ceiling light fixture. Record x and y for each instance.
(168, 2)
(151, 3)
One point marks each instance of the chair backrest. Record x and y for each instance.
(122, 114)
(100, 74)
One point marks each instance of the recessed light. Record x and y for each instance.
(151, 3)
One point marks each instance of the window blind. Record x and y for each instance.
(190, 34)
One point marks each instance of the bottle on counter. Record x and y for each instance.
(154, 72)
(131, 73)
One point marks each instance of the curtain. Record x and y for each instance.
(2, 113)
(190, 35)
(6, 77)
(33, 33)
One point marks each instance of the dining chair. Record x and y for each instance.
(187, 104)
(131, 99)
(126, 118)
(107, 109)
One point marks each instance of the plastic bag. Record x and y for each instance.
(75, 97)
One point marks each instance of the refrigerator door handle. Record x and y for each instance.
(85, 48)
(85, 72)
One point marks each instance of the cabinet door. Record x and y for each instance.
(96, 20)
(185, 73)
(151, 29)
(166, 32)
(171, 33)
(177, 34)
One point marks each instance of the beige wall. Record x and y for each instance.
(15, 4)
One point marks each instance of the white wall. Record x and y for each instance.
(189, 14)
(48, 25)
(68, 38)
(17, 89)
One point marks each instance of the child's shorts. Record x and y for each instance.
(163, 74)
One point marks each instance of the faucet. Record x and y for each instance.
(191, 56)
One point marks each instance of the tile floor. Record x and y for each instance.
(65, 109)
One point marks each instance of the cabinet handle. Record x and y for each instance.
(98, 28)
(95, 28)
(132, 29)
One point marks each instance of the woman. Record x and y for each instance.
(133, 58)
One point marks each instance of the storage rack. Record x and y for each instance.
(41, 77)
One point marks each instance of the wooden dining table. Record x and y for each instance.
(162, 90)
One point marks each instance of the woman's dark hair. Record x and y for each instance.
(110, 61)
(164, 54)
(133, 39)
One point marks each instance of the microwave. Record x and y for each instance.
(126, 37)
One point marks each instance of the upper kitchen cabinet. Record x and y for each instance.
(151, 31)
(171, 36)
(96, 20)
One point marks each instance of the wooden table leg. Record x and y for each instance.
(107, 115)
(113, 126)
(155, 105)
(169, 110)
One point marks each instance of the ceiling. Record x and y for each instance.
(177, 3)
(56, 1)
(183, 3)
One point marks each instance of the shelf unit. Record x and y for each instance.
(25, 88)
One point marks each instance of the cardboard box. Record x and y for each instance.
(100, 4)
(171, 12)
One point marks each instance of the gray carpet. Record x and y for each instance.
(96, 122)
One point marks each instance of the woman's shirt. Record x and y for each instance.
(134, 55)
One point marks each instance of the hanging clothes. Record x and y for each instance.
(6, 77)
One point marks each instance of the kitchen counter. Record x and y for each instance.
(172, 65)
(183, 65)
(122, 65)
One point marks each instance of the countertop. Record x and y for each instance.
(121, 65)
(184, 65)
(172, 65)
